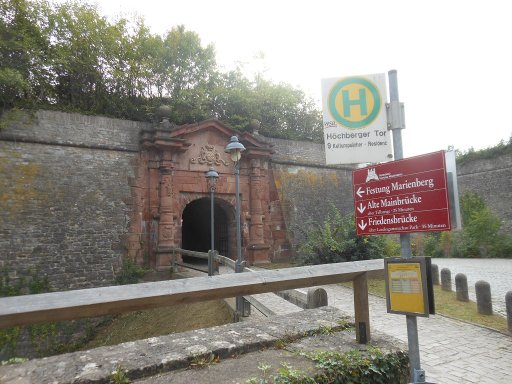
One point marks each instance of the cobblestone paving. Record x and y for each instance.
(451, 351)
(497, 272)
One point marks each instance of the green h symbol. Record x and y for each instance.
(347, 102)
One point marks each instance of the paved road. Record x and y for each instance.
(451, 351)
(497, 272)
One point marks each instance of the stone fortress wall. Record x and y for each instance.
(62, 190)
(65, 182)
(491, 179)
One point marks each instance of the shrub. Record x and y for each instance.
(335, 240)
(353, 367)
(130, 272)
(371, 367)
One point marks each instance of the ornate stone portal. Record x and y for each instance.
(170, 190)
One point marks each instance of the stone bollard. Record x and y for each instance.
(508, 304)
(435, 274)
(446, 279)
(317, 297)
(461, 287)
(483, 297)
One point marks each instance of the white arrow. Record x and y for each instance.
(360, 192)
(362, 225)
(361, 208)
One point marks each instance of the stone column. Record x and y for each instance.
(153, 215)
(256, 228)
(134, 239)
(167, 225)
(162, 146)
(257, 249)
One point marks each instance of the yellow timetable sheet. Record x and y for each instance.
(405, 288)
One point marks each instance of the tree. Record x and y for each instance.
(70, 57)
(190, 71)
(12, 86)
(284, 112)
(78, 56)
(23, 49)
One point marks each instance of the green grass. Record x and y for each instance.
(447, 304)
(161, 321)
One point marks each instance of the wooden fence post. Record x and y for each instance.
(361, 309)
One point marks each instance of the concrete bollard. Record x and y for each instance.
(483, 297)
(508, 304)
(435, 274)
(446, 279)
(461, 287)
(317, 297)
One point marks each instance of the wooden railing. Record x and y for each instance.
(186, 252)
(218, 259)
(69, 305)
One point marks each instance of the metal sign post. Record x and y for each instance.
(396, 124)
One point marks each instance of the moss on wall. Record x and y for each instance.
(16, 183)
(307, 194)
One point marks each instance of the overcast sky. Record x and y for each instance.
(452, 57)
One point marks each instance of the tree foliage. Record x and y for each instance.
(481, 234)
(502, 148)
(70, 57)
(23, 49)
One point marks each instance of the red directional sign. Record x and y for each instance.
(408, 195)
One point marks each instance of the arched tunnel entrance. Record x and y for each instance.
(196, 227)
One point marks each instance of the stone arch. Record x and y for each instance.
(196, 225)
(171, 175)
